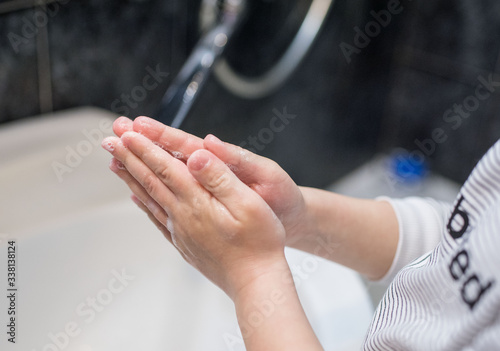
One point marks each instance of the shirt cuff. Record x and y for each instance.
(421, 225)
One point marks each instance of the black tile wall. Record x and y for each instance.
(101, 51)
(98, 51)
(444, 51)
(18, 69)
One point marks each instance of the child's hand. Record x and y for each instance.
(217, 223)
(264, 176)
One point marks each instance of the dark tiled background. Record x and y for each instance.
(393, 92)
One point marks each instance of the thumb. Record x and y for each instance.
(248, 166)
(216, 177)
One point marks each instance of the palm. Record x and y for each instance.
(280, 192)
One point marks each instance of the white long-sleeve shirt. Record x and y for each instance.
(445, 290)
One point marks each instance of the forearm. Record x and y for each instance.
(359, 234)
(270, 314)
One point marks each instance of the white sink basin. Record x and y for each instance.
(93, 274)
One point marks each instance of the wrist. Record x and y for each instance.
(270, 314)
(304, 224)
(260, 273)
(258, 302)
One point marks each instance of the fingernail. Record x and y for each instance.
(116, 165)
(108, 145)
(125, 140)
(136, 200)
(125, 122)
(141, 121)
(119, 164)
(214, 139)
(199, 161)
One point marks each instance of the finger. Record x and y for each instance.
(180, 144)
(142, 173)
(170, 171)
(122, 125)
(215, 176)
(157, 211)
(248, 166)
(152, 218)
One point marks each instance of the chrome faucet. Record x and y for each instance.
(185, 88)
(222, 19)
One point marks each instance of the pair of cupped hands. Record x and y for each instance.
(227, 211)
